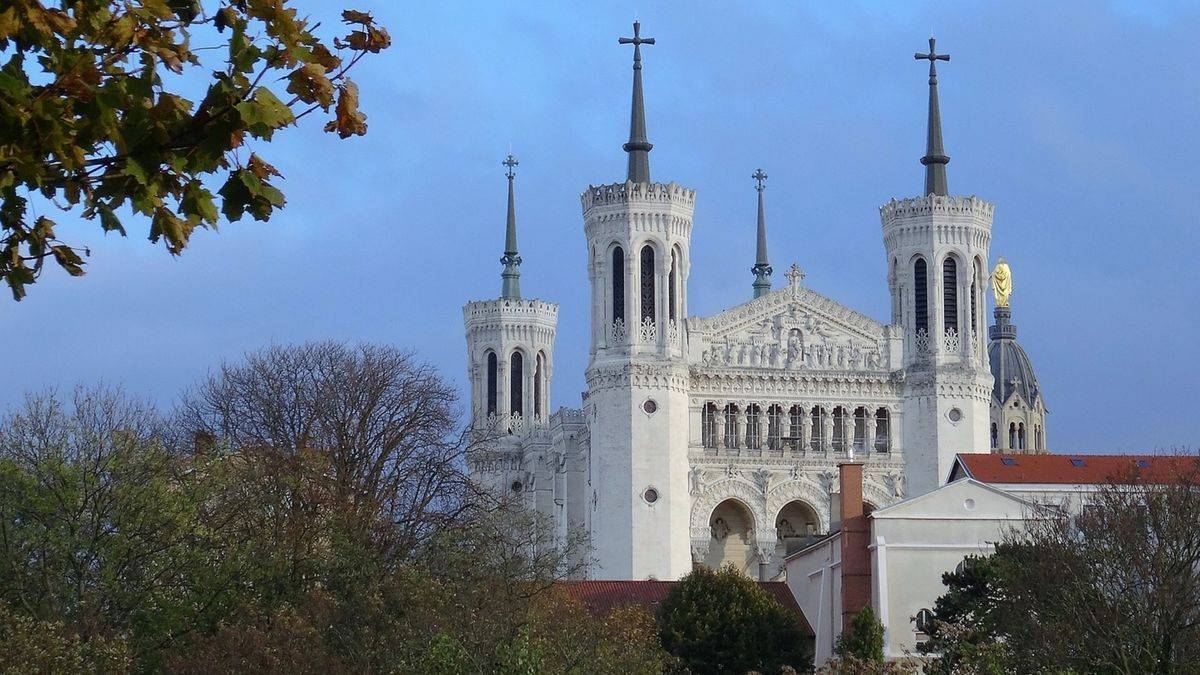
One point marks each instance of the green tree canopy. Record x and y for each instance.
(724, 622)
(94, 120)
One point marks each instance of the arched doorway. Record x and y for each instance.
(731, 543)
(796, 525)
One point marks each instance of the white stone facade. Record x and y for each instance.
(716, 439)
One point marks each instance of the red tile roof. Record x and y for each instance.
(1076, 469)
(601, 597)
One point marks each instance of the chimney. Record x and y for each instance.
(856, 537)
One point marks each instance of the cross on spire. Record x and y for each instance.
(759, 177)
(935, 159)
(638, 146)
(510, 288)
(762, 268)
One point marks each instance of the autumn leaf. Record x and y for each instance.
(349, 121)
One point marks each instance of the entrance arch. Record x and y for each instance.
(732, 538)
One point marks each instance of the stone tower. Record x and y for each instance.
(937, 251)
(638, 237)
(510, 357)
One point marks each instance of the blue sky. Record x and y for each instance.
(1080, 121)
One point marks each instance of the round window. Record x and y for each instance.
(955, 415)
(650, 495)
(969, 504)
(516, 486)
(650, 406)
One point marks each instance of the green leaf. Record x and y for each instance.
(109, 221)
(264, 112)
(198, 202)
(10, 85)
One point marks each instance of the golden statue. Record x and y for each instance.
(1001, 283)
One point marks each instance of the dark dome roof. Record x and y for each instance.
(1009, 362)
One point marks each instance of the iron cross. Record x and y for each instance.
(511, 162)
(637, 41)
(933, 57)
(759, 177)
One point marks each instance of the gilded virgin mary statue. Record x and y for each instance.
(1001, 283)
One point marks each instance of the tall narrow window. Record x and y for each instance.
(994, 436)
(517, 379)
(753, 440)
(861, 419)
(1021, 435)
(950, 295)
(648, 283)
(618, 284)
(671, 287)
(538, 388)
(921, 295)
(796, 433)
(974, 291)
(839, 429)
(491, 383)
(1012, 435)
(775, 427)
(708, 425)
(817, 433)
(883, 430)
(731, 426)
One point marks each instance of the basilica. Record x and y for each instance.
(717, 439)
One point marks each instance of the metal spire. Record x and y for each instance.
(638, 146)
(510, 288)
(762, 269)
(935, 159)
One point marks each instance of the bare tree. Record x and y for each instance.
(388, 425)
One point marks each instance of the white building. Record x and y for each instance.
(716, 439)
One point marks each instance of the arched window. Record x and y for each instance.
(921, 295)
(648, 282)
(974, 291)
(775, 427)
(516, 380)
(950, 295)
(753, 439)
(672, 283)
(538, 387)
(817, 434)
(861, 419)
(492, 366)
(618, 284)
(1012, 435)
(883, 430)
(796, 430)
(708, 425)
(1039, 442)
(994, 437)
(839, 429)
(1021, 436)
(731, 426)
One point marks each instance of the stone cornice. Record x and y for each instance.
(930, 205)
(671, 376)
(629, 193)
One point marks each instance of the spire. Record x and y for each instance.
(935, 159)
(762, 269)
(638, 146)
(510, 289)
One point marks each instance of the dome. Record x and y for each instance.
(1010, 365)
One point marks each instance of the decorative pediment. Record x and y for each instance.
(791, 328)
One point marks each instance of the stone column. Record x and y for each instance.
(804, 430)
(848, 428)
(740, 433)
(869, 431)
(827, 430)
(763, 425)
(719, 427)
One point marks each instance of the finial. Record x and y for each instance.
(638, 146)
(935, 159)
(762, 269)
(510, 288)
(794, 276)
